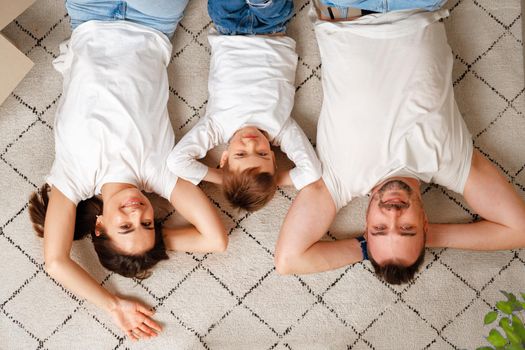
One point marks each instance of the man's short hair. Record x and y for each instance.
(395, 273)
(249, 189)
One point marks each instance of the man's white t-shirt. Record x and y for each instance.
(251, 83)
(112, 121)
(388, 104)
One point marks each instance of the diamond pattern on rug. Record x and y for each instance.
(235, 300)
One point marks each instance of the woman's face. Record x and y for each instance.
(127, 219)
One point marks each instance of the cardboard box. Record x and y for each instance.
(14, 65)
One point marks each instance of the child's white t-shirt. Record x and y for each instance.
(251, 83)
(112, 121)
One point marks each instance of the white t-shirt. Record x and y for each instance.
(388, 106)
(112, 121)
(251, 83)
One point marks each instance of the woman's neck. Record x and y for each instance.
(109, 189)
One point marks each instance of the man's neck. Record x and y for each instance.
(414, 183)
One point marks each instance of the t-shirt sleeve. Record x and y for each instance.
(66, 182)
(182, 160)
(454, 172)
(299, 150)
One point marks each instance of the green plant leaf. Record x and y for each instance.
(513, 337)
(523, 296)
(518, 327)
(504, 307)
(505, 324)
(509, 296)
(516, 305)
(496, 339)
(490, 317)
(514, 347)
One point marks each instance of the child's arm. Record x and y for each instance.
(182, 160)
(208, 233)
(283, 178)
(214, 175)
(132, 317)
(299, 150)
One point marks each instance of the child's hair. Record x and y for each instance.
(137, 266)
(249, 189)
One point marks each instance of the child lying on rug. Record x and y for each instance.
(112, 139)
(251, 95)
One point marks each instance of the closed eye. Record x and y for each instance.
(378, 233)
(148, 225)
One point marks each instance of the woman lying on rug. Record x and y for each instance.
(387, 89)
(112, 139)
(251, 95)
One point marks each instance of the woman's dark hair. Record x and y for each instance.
(137, 266)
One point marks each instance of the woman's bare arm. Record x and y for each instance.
(207, 234)
(58, 237)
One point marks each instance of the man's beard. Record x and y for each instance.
(393, 185)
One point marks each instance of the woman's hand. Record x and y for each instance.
(133, 318)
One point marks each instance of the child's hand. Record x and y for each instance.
(214, 175)
(133, 318)
(283, 178)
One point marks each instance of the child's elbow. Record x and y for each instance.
(220, 244)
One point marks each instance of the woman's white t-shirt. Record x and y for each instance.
(112, 122)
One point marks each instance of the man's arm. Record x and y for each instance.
(58, 237)
(207, 234)
(298, 247)
(492, 197)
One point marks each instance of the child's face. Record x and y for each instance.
(249, 148)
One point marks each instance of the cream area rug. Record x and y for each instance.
(235, 300)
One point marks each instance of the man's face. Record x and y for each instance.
(395, 223)
(249, 148)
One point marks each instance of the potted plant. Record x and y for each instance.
(509, 334)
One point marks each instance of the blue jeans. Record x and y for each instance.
(387, 5)
(246, 17)
(162, 15)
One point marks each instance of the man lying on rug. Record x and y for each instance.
(251, 95)
(389, 121)
(112, 138)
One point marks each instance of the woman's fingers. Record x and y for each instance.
(132, 336)
(146, 311)
(148, 330)
(139, 333)
(152, 324)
